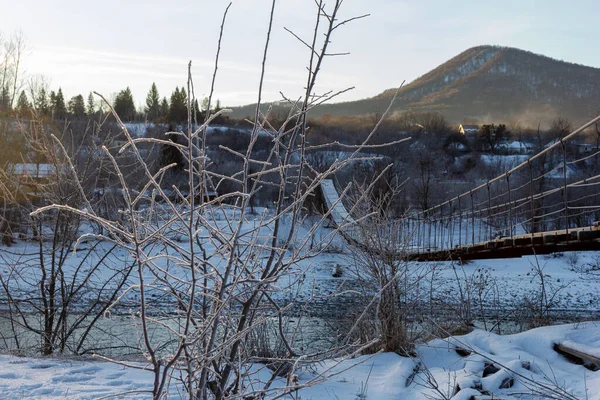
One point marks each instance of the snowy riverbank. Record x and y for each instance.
(524, 364)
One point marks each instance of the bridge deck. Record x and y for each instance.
(339, 214)
(575, 239)
(578, 239)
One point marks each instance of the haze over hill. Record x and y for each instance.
(489, 84)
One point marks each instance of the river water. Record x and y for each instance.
(315, 326)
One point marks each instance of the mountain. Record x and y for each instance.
(489, 84)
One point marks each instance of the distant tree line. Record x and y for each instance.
(52, 104)
(27, 96)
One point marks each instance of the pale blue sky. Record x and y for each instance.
(107, 45)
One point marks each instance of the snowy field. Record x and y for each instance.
(523, 364)
(572, 278)
(568, 284)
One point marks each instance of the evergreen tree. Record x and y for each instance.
(152, 108)
(91, 105)
(77, 106)
(57, 103)
(23, 104)
(184, 98)
(124, 105)
(164, 109)
(215, 109)
(170, 154)
(204, 106)
(178, 108)
(5, 99)
(40, 102)
(221, 119)
(52, 102)
(199, 114)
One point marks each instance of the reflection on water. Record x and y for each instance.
(120, 336)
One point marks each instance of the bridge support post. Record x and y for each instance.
(472, 220)
(451, 225)
(564, 191)
(489, 221)
(418, 234)
(459, 224)
(510, 210)
(531, 198)
(441, 245)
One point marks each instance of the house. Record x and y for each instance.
(518, 147)
(458, 147)
(464, 129)
(584, 148)
(559, 172)
(574, 145)
(30, 179)
(35, 171)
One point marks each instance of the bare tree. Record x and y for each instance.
(383, 269)
(200, 256)
(12, 51)
(492, 137)
(70, 292)
(560, 127)
(426, 166)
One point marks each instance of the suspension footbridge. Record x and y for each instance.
(549, 202)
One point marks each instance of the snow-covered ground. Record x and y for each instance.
(566, 276)
(570, 283)
(524, 364)
(572, 278)
(503, 162)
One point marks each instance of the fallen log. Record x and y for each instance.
(574, 353)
